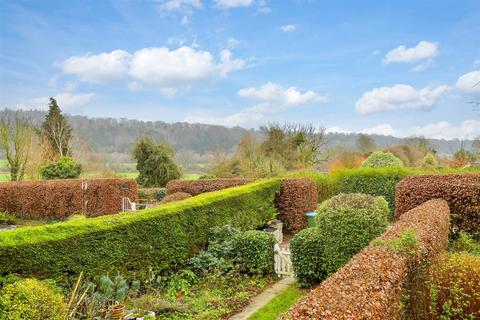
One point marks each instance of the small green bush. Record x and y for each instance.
(64, 168)
(255, 252)
(380, 159)
(7, 218)
(307, 251)
(31, 299)
(429, 161)
(346, 223)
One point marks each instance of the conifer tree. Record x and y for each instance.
(56, 130)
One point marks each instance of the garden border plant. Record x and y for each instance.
(162, 238)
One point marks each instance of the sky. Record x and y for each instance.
(402, 68)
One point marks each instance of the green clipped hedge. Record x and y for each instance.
(307, 251)
(161, 238)
(255, 251)
(372, 181)
(380, 159)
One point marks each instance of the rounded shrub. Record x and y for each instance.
(429, 161)
(454, 287)
(380, 159)
(306, 248)
(255, 252)
(31, 299)
(346, 223)
(64, 168)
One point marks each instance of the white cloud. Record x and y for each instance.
(228, 64)
(382, 129)
(400, 96)
(234, 3)
(337, 130)
(288, 28)
(423, 50)
(100, 68)
(469, 82)
(231, 43)
(65, 100)
(468, 129)
(155, 67)
(185, 20)
(273, 99)
(186, 6)
(476, 63)
(273, 92)
(422, 66)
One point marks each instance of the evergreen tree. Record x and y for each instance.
(155, 163)
(56, 130)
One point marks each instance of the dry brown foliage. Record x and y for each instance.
(296, 197)
(177, 196)
(370, 285)
(196, 187)
(58, 199)
(461, 191)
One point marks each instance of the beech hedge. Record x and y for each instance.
(370, 285)
(58, 199)
(461, 191)
(161, 238)
(196, 187)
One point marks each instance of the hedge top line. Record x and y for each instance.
(66, 181)
(75, 227)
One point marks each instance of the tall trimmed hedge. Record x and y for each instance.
(162, 237)
(372, 181)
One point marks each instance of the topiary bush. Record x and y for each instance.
(31, 299)
(64, 168)
(346, 223)
(255, 252)
(380, 159)
(307, 251)
(454, 287)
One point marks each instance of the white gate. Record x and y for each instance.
(283, 261)
(127, 205)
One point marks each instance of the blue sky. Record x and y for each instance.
(390, 67)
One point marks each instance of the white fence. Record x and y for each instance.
(283, 261)
(127, 205)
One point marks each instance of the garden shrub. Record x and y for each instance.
(372, 181)
(296, 197)
(454, 287)
(307, 252)
(380, 159)
(31, 299)
(177, 196)
(429, 161)
(346, 223)
(370, 285)
(64, 168)
(7, 218)
(59, 199)
(162, 237)
(151, 194)
(255, 252)
(196, 187)
(461, 191)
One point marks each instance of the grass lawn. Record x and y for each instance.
(4, 176)
(191, 176)
(279, 304)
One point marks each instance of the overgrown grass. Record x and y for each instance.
(279, 304)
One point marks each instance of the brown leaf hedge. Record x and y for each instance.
(296, 197)
(196, 187)
(177, 196)
(370, 285)
(58, 199)
(461, 191)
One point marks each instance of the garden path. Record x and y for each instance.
(263, 298)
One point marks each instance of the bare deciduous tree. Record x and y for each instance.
(16, 138)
